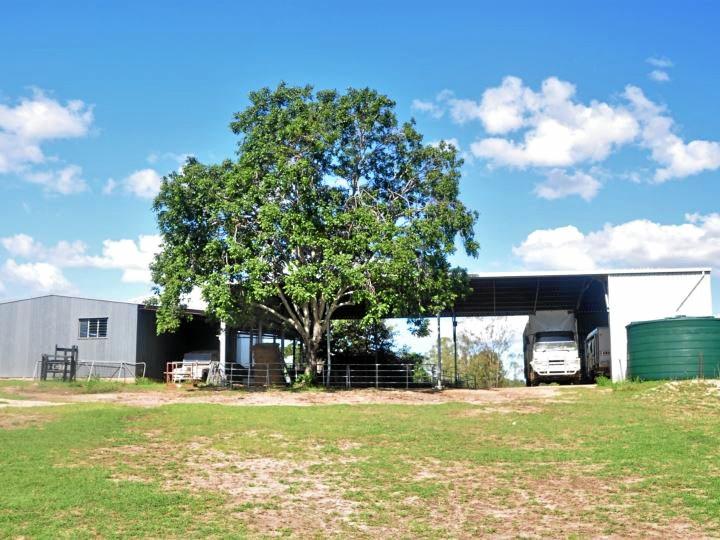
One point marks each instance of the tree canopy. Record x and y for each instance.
(330, 203)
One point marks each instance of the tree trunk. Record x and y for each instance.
(313, 360)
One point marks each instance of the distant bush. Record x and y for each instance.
(304, 381)
(145, 382)
(603, 381)
(627, 385)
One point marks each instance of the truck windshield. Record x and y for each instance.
(554, 336)
(564, 345)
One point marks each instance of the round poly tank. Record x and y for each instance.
(675, 348)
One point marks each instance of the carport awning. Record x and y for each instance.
(506, 294)
(523, 294)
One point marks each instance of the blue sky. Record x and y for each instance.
(578, 154)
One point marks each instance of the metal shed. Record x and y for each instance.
(613, 298)
(104, 331)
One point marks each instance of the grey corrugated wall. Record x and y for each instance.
(29, 328)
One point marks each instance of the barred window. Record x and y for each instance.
(94, 328)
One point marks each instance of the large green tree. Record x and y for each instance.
(330, 203)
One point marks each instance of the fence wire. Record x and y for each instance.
(403, 376)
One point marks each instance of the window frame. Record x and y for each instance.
(93, 326)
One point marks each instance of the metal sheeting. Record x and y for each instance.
(35, 326)
(524, 295)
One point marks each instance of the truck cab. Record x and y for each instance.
(555, 355)
(551, 349)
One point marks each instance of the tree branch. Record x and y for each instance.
(291, 313)
(279, 316)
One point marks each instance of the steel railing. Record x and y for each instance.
(88, 369)
(403, 376)
(231, 374)
(379, 376)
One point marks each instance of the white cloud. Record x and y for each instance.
(677, 158)
(132, 257)
(551, 129)
(660, 62)
(559, 183)
(33, 121)
(21, 245)
(65, 181)
(658, 75)
(559, 132)
(502, 109)
(42, 118)
(144, 183)
(63, 254)
(39, 277)
(427, 107)
(639, 243)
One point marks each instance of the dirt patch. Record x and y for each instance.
(26, 403)
(520, 408)
(309, 398)
(18, 421)
(502, 501)
(329, 496)
(272, 496)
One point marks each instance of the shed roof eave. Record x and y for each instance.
(594, 272)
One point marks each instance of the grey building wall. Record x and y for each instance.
(29, 328)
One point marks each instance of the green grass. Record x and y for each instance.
(9, 388)
(592, 462)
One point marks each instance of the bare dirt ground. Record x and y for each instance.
(306, 398)
(473, 500)
(4, 403)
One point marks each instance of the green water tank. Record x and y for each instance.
(674, 348)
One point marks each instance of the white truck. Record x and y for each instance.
(597, 353)
(551, 348)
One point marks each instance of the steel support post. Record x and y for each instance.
(454, 323)
(329, 358)
(439, 355)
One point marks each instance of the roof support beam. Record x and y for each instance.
(582, 293)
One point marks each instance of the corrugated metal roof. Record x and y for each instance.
(525, 292)
(66, 296)
(140, 305)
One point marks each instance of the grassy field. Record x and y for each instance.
(630, 460)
